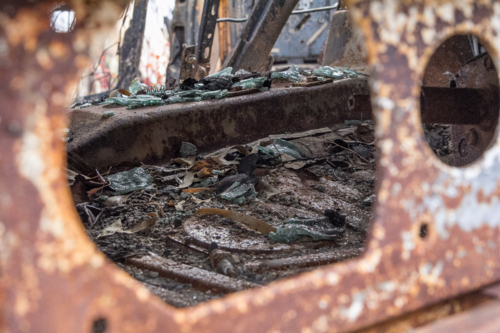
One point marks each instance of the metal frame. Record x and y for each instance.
(54, 280)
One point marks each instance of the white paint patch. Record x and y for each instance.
(371, 261)
(322, 304)
(384, 103)
(428, 35)
(332, 279)
(353, 312)
(407, 237)
(387, 286)
(446, 12)
(31, 164)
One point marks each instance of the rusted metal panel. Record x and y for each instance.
(206, 37)
(153, 135)
(345, 46)
(459, 106)
(53, 279)
(484, 319)
(453, 65)
(253, 51)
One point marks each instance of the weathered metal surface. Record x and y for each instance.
(483, 319)
(188, 63)
(459, 106)
(345, 46)
(449, 57)
(206, 36)
(53, 279)
(184, 30)
(425, 317)
(153, 135)
(253, 51)
(304, 34)
(473, 140)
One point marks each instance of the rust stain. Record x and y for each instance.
(53, 279)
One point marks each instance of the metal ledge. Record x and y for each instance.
(154, 134)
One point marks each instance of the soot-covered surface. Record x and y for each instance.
(156, 235)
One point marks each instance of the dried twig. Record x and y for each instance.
(370, 163)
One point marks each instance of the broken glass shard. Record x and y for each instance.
(128, 181)
(292, 75)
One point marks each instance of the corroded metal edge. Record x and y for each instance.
(54, 280)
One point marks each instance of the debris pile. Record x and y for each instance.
(207, 224)
(215, 86)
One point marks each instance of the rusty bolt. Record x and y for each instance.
(191, 59)
(472, 137)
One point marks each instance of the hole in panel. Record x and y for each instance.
(99, 325)
(459, 101)
(424, 230)
(62, 20)
(201, 257)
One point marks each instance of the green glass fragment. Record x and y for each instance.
(83, 106)
(331, 72)
(124, 101)
(107, 114)
(268, 154)
(251, 83)
(128, 181)
(239, 201)
(207, 182)
(237, 194)
(191, 99)
(224, 72)
(149, 102)
(350, 73)
(190, 93)
(307, 221)
(292, 75)
(135, 87)
(146, 97)
(218, 94)
(176, 99)
(286, 147)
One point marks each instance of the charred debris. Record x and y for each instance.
(208, 224)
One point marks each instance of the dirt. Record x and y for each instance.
(339, 175)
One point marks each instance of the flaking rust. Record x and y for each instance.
(399, 272)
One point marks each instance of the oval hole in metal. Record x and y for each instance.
(459, 100)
